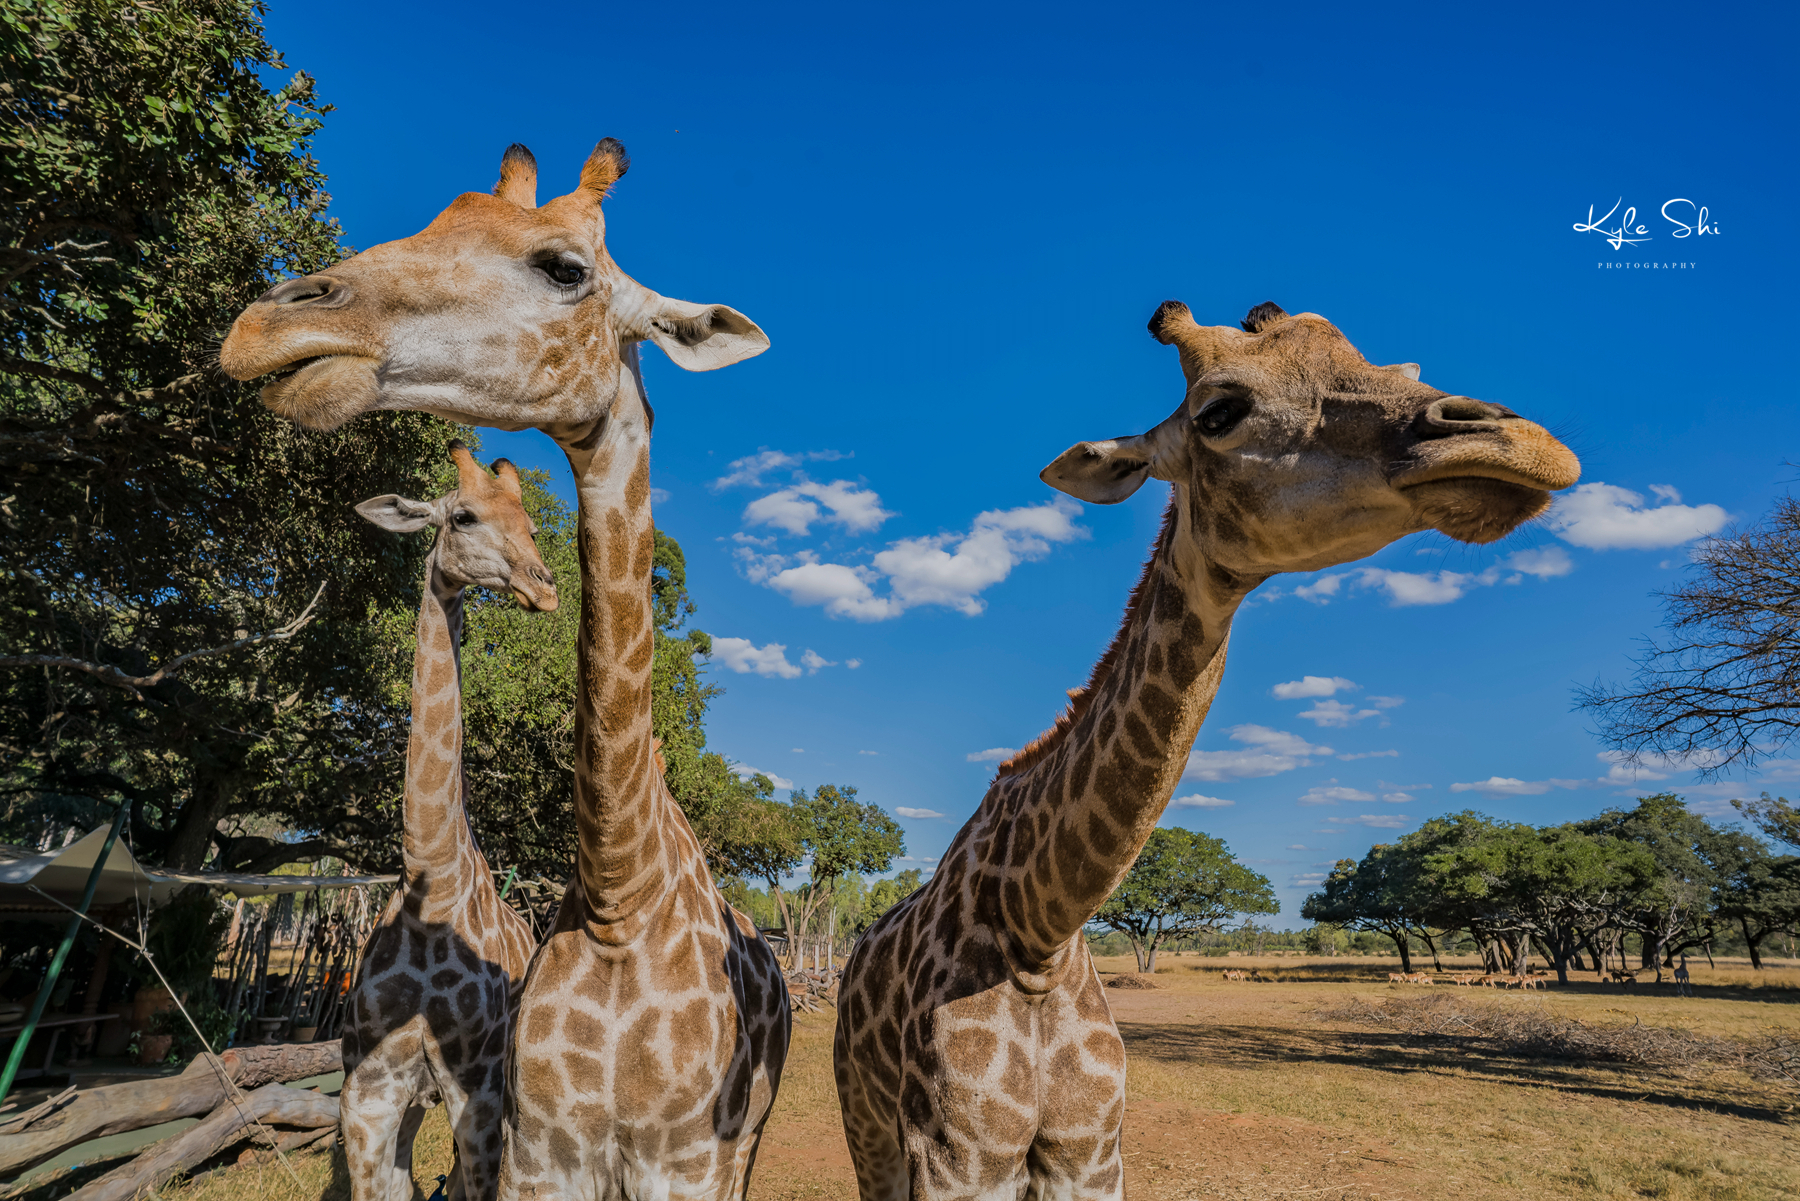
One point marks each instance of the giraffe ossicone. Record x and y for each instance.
(976, 1056)
(654, 1023)
(434, 996)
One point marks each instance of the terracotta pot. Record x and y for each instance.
(147, 1003)
(154, 1048)
(305, 1034)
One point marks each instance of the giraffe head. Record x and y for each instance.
(484, 534)
(500, 313)
(1292, 452)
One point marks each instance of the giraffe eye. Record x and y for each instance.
(563, 272)
(465, 518)
(1222, 414)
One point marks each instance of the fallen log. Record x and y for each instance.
(118, 1108)
(272, 1105)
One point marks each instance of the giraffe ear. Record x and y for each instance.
(1101, 473)
(1409, 370)
(397, 514)
(703, 337)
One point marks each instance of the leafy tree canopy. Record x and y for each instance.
(152, 510)
(1182, 883)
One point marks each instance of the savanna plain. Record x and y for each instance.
(1276, 1089)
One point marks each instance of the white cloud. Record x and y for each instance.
(1396, 798)
(1336, 714)
(1378, 821)
(659, 496)
(921, 571)
(843, 591)
(1320, 590)
(745, 771)
(1505, 786)
(853, 664)
(743, 656)
(1545, 564)
(1322, 795)
(1306, 879)
(868, 752)
(1269, 753)
(1423, 588)
(813, 661)
(1307, 686)
(1606, 517)
(1297, 847)
(799, 750)
(1387, 702)
(1369, 755)
(752, 468)
(918, 814)
(1196, 801)
(947, 569)
(994, 754)
(927, 860)
(794, 508)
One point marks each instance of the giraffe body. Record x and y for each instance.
(653, 1022)
(976, 1056)
(429, 1017)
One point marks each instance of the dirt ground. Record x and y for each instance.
(1242, 1091)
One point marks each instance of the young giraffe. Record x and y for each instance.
(654, 1021)
(976, 1056)
(441, 970)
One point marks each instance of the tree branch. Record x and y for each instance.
(108, 674)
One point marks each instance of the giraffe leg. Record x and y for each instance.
(475, 1122)
(379, 1124)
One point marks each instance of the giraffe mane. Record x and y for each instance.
(1040, 748)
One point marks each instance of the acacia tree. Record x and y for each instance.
(1182, 883)
(1383, 894)
(1763, 897)
(190, 612)
(837, 834)
(1723, 686)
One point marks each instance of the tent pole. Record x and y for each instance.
(62, 954)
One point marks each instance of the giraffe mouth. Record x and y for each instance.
(282, 374)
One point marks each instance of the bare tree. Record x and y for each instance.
(1723, 686)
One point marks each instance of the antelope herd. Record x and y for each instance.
(1466, 979)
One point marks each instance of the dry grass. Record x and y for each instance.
(1243, 1091)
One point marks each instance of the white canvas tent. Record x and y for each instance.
(64, 874)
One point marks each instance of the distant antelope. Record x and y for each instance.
(1233, 973)
(1421, 978)
(1398, 978)
(1466, 978)
(1619, 977)
(1682, 986)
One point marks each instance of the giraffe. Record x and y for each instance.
(441, 970)
(976, 1056)
(654, 1022)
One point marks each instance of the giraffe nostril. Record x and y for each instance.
(318, 291)
(1451, 415)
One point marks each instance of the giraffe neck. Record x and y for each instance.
(438, 846)
(629, 843)
(1074, 816)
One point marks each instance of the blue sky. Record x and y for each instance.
(953, 222)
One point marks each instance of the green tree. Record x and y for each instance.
(1182, 883)
(1776, 817)
(1675, 908)
(1382, 894)
(163, 538)
(1763, 897)
(883, 895)
(837, 834)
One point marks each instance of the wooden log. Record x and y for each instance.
(272, 1104)
(118, 1108)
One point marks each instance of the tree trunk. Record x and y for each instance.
(1401, 944)
(272, 1104)
(790, 954)
(1755, 954)
(118, 1108)
(1432, 944)
(1149, 964)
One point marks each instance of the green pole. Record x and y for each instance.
(506, 885)
(62, 954)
